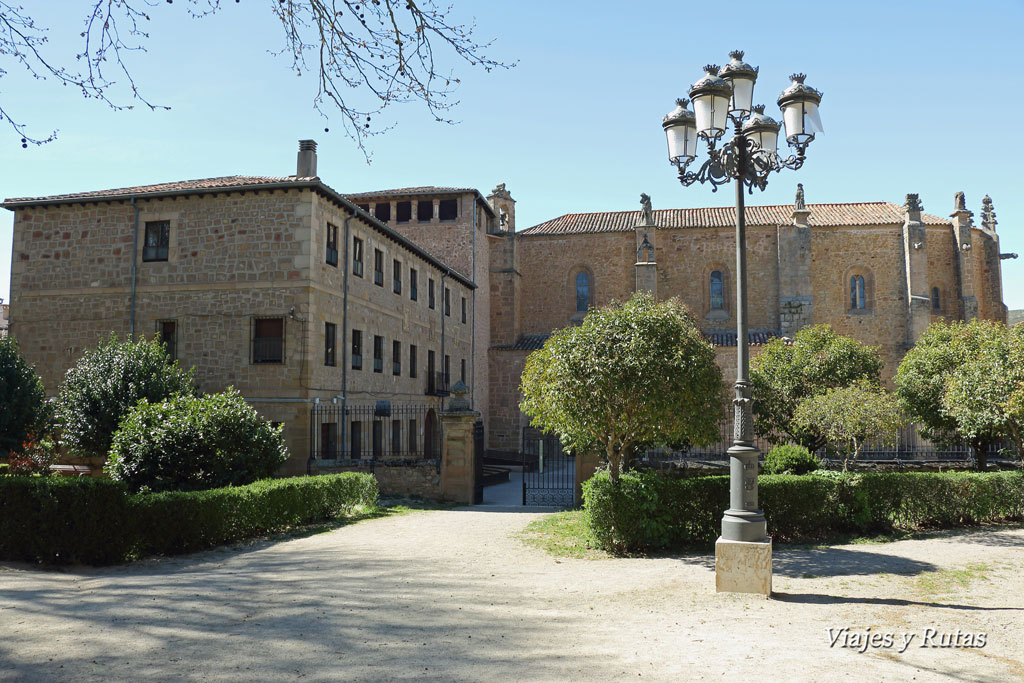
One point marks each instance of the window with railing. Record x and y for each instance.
(396, 358)
(413, 290)
(357, 257)
(330, 330)
(378, 267)
(447, 302)
(396, 276)
(357, 350)
(267, 340)
(430, 293)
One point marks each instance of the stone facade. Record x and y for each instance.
(240, 257)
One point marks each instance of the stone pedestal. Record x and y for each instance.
(458, 464)
(743, 566)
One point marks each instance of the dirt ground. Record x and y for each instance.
(453, 595)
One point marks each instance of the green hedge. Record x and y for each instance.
(58, 520)
(652, 510)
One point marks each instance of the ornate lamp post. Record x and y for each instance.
(725, 95)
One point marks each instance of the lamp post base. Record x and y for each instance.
(743, 566)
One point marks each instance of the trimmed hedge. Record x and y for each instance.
(652, 510)
(56, 520)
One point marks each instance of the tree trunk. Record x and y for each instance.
(980, 449)
(613, 461)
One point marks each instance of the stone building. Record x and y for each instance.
(875, 271)
(278, 286)
(5, 313)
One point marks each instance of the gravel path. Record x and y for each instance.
(455, 596)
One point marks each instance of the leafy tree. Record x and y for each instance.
(188, 443)
(984, 396)
(783, 375)
(924, 373)
(105, 385)
(367, 55)
(849, 417)
(23, 408)
(639, 372)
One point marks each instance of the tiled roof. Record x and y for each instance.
(532, 342)
(822, 215)
(424, 189)
(729, 338)
(206, 184)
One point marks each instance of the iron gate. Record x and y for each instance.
(549, 473)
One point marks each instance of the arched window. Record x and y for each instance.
(717, 291)
(858, 298)
(936, 301)
(582, 292)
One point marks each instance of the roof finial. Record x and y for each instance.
(988, 214)
(800, 197)
(913, 203)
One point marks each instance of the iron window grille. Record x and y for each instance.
(330, 330)
(157, 241)
(378, 267)
(267, 340)
(332, 245)
(357, 257)
(357, 350)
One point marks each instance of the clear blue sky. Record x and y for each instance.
(917, 97)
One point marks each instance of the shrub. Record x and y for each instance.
(655, 511)
(105, 385)
(191, 443)
(35, 456)
(60, 520)
(63, 520)
(23, 408)
(790, 460)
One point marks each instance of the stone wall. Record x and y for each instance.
(399, 478)
(507, 421)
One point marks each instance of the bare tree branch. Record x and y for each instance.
(368, 55)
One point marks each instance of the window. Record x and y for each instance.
(356, 440)
(717, 290)
(357, 350)
(329, 440)
(378, 353)
(396, 275)
(378, 438)
(403, 212)
(582, 292)
(382, 211)
(936, 300)
(447, 369)
(858, 300)
(430, 365)
(425, 210)
(378, 267)
(268, 340)
(413, 293)
(364, 207)
(330, 330)
(357, 257)
(168, 331)
(447, 302)
(463, 310)
(462, 372)
(332, 245)
(158, 241)
(430, 292)
(412, 436)
(448, 209)
(412, 360)
(396, 358)
(396, 437)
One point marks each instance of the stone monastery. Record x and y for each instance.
(348, 317)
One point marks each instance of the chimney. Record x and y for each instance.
(306, 167)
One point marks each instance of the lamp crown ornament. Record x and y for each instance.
(758, 108)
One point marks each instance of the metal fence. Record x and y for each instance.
(909, 446)
(375, 431)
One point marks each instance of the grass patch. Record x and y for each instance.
(945, 581)
(562, 534)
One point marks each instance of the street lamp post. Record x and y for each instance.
(725, 95)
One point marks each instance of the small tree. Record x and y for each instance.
(783, 375)
(23, 408)
(850, 417)
(924, 373)
(190, 443)
(984, 396)
(105, 385)
(639, 372)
